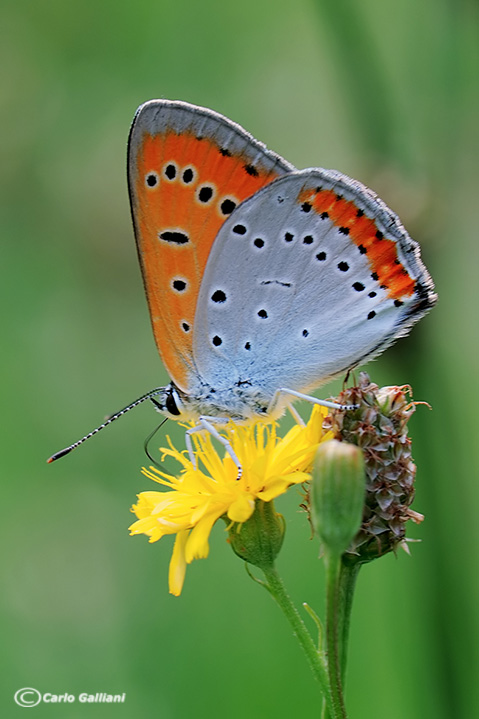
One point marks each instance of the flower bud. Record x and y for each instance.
(259, 539)
(337, 494)
(379, 426)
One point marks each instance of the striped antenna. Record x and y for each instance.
(67, 450)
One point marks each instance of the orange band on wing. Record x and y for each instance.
(185, 189)
(380, 251)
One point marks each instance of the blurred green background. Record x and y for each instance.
(381, 90)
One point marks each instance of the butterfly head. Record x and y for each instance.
(168, 402)
(171, 402)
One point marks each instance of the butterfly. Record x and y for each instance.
(263, 282)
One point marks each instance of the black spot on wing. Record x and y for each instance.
(152, 179)
(176, 238)
(227, 206)
(275, 282)
(205, 194)
(218, 296)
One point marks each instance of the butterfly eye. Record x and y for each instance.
(171, 403)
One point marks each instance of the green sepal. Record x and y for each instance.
(259, 540)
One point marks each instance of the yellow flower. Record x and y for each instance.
(201, 495)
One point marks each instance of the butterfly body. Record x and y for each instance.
(241, 402)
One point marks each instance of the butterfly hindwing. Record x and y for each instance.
(311, 276)
(188, 169)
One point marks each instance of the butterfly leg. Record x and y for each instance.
(294, 412)
(307, 397)
(206, 424)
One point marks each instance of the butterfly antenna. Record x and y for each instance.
(148, 440)
(110, 419)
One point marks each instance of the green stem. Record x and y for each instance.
(345, 593)
(316, 659)
(335, 632)
(347, 584)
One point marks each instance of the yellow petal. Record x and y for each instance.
(197, 546)
(145, 525)
(241, 509)
(177, 569)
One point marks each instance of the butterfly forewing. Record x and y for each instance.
(311, 276)
(188, 169)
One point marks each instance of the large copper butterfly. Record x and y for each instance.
(263, 281)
